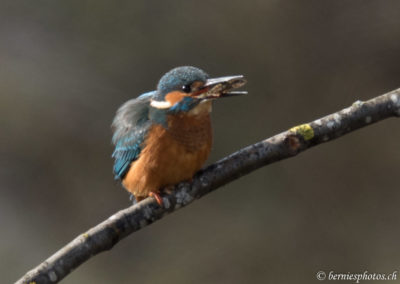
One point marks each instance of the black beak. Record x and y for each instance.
(221, 87)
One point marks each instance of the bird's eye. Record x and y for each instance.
(186, 88)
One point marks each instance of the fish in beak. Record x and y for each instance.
(220, 88)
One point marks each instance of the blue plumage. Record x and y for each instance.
(178, 77)
(130, 126)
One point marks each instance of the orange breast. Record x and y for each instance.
(170, 155)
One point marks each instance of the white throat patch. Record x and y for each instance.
(160, 104)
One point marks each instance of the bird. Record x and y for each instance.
(164, 136)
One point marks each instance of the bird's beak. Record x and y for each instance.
(220, 87)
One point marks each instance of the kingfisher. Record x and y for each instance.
(164, 136)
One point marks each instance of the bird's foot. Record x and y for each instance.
(157, 197)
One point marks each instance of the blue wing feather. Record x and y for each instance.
(130, 126)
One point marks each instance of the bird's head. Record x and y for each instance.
(183, 88)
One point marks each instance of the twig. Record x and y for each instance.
(284, 145)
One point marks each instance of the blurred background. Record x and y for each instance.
(65, 68)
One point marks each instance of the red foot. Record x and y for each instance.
(157, 197)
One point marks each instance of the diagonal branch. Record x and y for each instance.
(284, 145)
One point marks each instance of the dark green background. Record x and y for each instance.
(66, 66)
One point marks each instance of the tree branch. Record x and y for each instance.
(284, 145)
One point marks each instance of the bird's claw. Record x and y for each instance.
(157, 197)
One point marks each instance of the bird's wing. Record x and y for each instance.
(130, 127)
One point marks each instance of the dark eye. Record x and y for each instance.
(186, 88)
